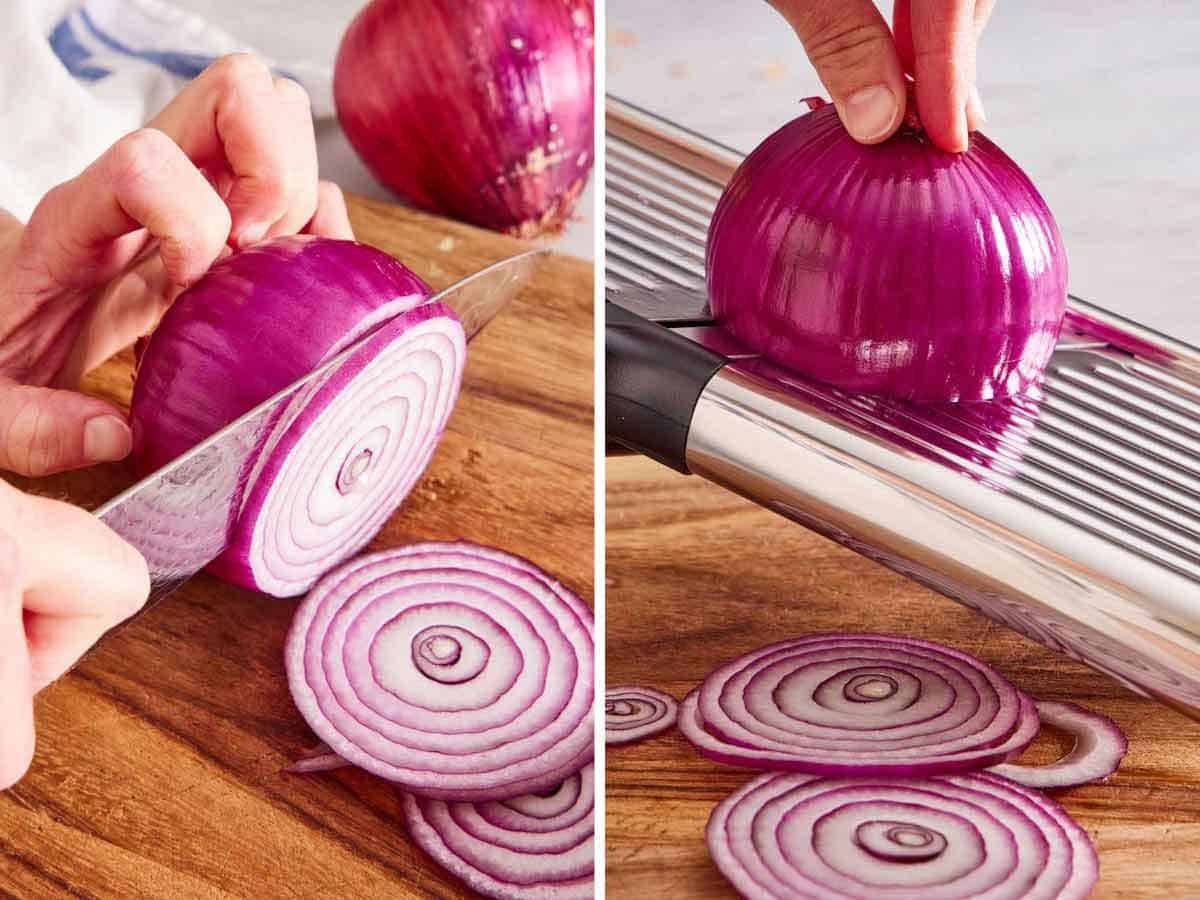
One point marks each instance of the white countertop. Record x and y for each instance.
(1099, 102)
(311, 29)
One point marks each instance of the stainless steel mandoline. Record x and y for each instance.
(1072, 516)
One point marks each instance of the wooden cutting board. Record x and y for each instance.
(696, 575)
(158, 766)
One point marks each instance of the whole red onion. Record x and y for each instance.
(481, 111)
(896, 268)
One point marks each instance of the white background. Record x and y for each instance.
(1098, 100)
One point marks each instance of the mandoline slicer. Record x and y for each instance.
(1072, 516)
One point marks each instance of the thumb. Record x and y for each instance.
(851, 47)
(43, 430)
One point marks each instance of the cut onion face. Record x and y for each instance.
(786, 836)
(460, 672)
(533, 847)
(858, 704)
(1099, 748)
(350, 446)
(632, 713)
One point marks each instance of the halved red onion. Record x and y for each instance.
(347, 449)
(894, 268)
(534, 847)
(882, 838)
(634, 712)
(858, 704)
(1099, 748)
(459, 671)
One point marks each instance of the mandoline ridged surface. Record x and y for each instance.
(1111, 444)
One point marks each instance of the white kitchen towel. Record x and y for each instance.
(78, 74)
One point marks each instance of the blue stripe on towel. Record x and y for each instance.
(185, 65)
(73, 54)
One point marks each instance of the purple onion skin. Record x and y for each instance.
(479, 111)
(894, 269)
(284, 304)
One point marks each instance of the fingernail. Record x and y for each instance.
(253, 233)
(975, 111)
(106, 438)
(870, 113)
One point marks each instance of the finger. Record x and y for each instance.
(230, 112)
(301, 140)
(943, 38)
(127, 309)
(16, 691)
(44, 430)
(851, 47)
(144, 180)
(331, 219)
(71, 599)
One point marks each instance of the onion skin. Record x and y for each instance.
(800, 836)
(535, 847)
(858, 705)
(260, 320)
(509, 714)
(893, 269)
(480, 111)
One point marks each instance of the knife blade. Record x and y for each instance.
(182, 516)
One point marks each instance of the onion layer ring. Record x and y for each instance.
(949, 837)
(858, 704)
(632, 713)
(515, 723)
(1099, 748)
(535, 847)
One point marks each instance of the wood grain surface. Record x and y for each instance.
(696, 575)
(159, 758)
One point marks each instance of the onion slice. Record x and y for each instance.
(633, 712)
(941, 838)
(460, 672)
(858, 704)
(1099, 748)
(535, 847)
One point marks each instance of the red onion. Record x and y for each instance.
(319, 759)
(481, 111)
(877, 838)
(895, 268)
(632, 713)
(858, 704)
(460, 672)
(350, 446)
(1099, 748)
(535, 847)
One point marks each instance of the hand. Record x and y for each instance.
(232, 159)
(65, 579)
(862, 65)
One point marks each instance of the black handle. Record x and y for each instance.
(653, 378)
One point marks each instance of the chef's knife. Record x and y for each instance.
(181, 517)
